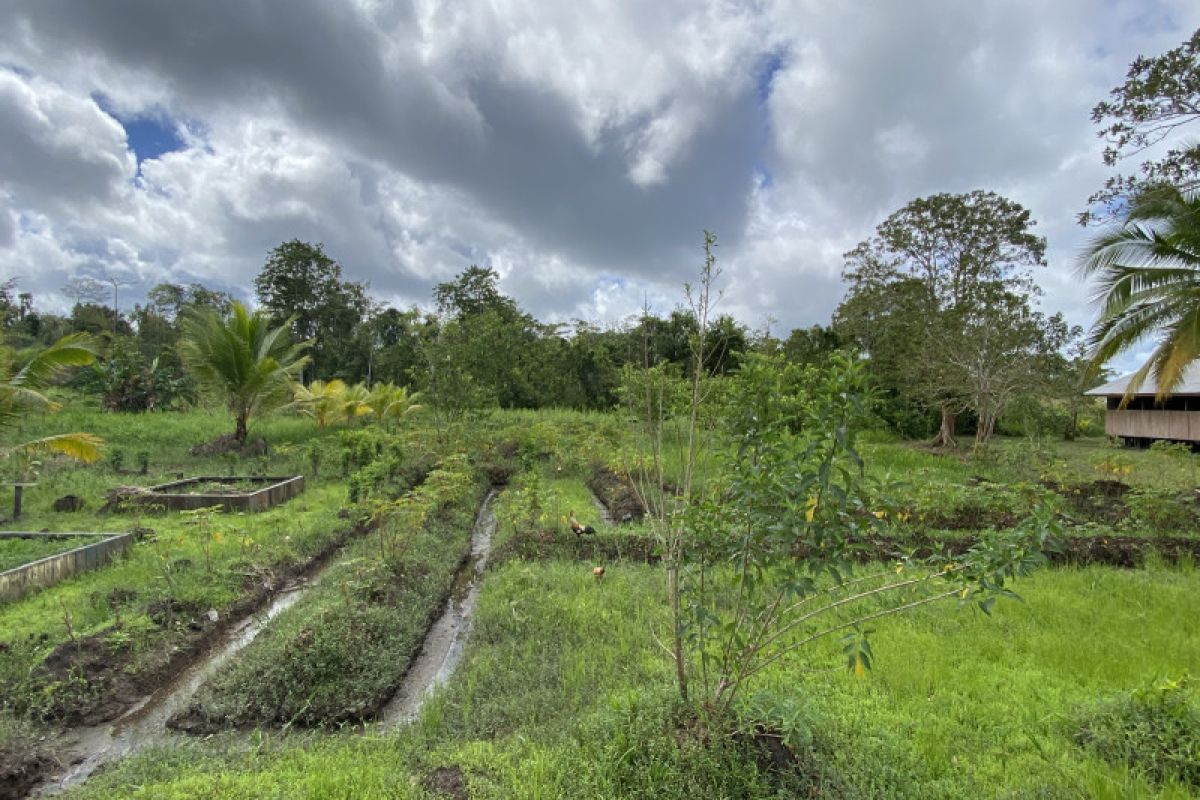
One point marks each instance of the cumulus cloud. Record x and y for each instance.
(580, 149)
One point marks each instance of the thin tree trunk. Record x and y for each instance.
(985, 428)
(945, 435)
(240, 433)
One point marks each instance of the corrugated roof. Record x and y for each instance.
(1190, 384)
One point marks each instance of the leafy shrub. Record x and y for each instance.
(127, 381)
(1154, 730)
(1158, 510)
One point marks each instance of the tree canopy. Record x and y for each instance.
(1160, 95)
(916, 284)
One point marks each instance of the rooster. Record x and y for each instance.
(578, 528)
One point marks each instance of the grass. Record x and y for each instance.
(16, 552)
(564, 694)
(564, 691)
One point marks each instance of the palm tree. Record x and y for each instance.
(21, 395)
(242, 360)
(391, 402)
(329, 402)
(1149, 284)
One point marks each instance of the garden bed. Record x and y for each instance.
(38, 560)
(339, 654)
(232, 494)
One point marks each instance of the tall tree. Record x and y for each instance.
(949, 248)
(1160, 96)
(1148, 273)
(1005, 348)
(242, 360)
(299, 281)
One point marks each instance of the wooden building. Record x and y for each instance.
(1143, 419)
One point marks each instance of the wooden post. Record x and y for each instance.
(18, 492)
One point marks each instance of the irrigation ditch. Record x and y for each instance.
(81, 751)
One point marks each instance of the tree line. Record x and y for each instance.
(944, 332)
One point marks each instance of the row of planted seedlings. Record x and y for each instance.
(340, 652)
(947, 502)
(569, 470)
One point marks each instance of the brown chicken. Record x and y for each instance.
(579, 529)
(598, 573)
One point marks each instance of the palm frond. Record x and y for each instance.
(83, 447)
(74, 350)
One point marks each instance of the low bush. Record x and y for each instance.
(1154, 730)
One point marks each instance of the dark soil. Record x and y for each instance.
(447, 782)
(617, 495)
(228, 444)
(107, 689)
(68, 503)
(971, 518)
(1098, 501)
(802, 774)
(23, 765)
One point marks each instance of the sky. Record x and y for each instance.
(579, 149)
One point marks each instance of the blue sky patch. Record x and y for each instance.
(150, 133)
(771, 65)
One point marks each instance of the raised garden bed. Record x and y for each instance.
(96, 549)
(230, 493)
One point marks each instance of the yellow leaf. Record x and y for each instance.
(880, 514)
(811, 511)
(860, 669)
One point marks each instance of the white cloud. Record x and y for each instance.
(580, 149)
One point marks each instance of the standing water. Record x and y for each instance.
(444, 644)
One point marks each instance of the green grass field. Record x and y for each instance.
(565, 690)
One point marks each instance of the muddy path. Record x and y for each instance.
(446, 640)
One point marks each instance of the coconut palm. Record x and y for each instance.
(1149, 285)
(329, 402)
(390, 402)
(21, 395)
(242, 360)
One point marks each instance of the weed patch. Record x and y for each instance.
(1154, 731)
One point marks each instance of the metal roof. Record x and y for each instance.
(1189, 385)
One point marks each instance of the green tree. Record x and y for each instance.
(1160, 95)
(21, 395)
(947, 251)
(242, 360)
(301, 283)
(811, 345)
(1006, 348)
(1148, 275)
